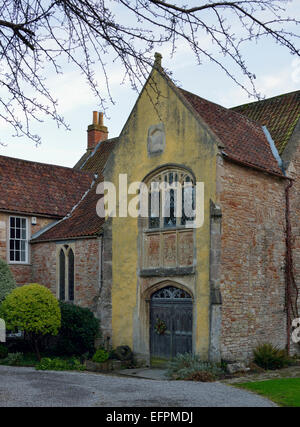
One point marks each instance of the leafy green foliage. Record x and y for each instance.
(79, 329)
(34, 310)
(268, 356)
(100, 356)
(188, 366)
(31, 308)
(3, 351)
(14, 359)
(58, 364)
(7, 281)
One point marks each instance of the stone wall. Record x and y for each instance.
(252, 275)
(86, 252)
(43, 257)
(87, 273)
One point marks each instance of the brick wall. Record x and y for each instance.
(44, 269)
(252, 276)
(87, 273)
(21, 272)
(43, 257)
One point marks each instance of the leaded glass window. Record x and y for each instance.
(71, 275)
(62, 274)
(66, 274)
(171, 199)
(170, 292)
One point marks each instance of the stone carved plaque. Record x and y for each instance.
(156, 141)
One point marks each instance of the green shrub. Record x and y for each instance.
(79, 329)
(3, 351)
(7, 281)
(14, 359)
(34, 310)
(100, 356)
(188, 366)
(57, 364)
(268, 356)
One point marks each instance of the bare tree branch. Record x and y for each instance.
(37, 36)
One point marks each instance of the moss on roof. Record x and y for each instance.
(280, 114)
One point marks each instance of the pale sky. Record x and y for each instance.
(276, 70)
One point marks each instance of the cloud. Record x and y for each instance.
(72, 90)
(296, 70)
(282, 80)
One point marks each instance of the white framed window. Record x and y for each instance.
(18, 240)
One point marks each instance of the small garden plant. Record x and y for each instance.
(268, 356)
(60, 364)
(100, 356)
(188, 366)
(14, 359)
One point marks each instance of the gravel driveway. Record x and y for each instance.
(28, 387)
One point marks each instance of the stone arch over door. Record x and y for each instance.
(171, 322)
(142, 314)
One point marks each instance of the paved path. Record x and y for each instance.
(28, 387)
(146, 373)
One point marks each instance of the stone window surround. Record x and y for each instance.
(59, 246)
(144, 229)
(160, 176)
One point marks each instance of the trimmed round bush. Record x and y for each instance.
(33, 309)
(79, 329)
(100, 356)
(7, 281)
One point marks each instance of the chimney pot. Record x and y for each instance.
(96, 131)
(95, 117)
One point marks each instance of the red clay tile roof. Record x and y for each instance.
(83, 221)
(40, 189)
(280, 114)
(243, 139)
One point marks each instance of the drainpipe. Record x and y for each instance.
(291, 309)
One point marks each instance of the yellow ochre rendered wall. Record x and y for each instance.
(189, 143)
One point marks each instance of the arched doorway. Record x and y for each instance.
(171, 320)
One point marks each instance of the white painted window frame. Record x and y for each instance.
(26, 241)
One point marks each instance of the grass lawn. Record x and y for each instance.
(283, 391)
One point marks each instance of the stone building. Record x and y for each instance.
(158, 284)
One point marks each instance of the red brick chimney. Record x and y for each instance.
(97, 131)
